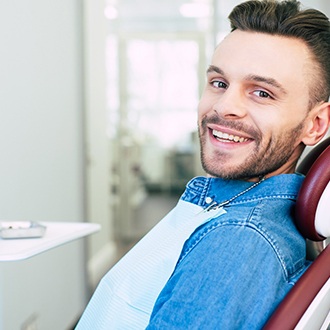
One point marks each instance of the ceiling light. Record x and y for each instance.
(110, 12)
(195, 10)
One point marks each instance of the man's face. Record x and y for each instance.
(252, 114)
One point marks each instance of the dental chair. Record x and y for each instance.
(307, 305)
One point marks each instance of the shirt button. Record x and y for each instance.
(208, 200)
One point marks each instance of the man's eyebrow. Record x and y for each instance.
(269, 81)
(213, 68)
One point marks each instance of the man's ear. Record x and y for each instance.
(317, 124)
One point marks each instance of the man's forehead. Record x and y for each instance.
(246, 38)
(263, 54)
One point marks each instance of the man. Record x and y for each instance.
(229, 252)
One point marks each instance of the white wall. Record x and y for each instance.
(41, 155)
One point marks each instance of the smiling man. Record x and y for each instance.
(266, 98)
(256, 113)
(229, 252)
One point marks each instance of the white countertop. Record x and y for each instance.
(57, 233)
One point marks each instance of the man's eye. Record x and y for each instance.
(262, 94)
(218, 84)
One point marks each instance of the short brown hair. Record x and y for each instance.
(286, 18)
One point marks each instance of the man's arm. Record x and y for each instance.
(231, 279)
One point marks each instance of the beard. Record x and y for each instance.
(266, 157)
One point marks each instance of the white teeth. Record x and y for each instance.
(229, 137)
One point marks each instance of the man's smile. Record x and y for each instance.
(225, 137)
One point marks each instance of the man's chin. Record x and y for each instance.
(230, 172)
(221, 173)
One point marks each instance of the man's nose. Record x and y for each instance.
(231, 104)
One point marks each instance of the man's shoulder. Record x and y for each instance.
(274, 219)
(267, 223)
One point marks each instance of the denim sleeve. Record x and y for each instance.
(230, 279)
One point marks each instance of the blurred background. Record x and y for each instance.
(98, 105)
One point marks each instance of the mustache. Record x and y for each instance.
(232, 124)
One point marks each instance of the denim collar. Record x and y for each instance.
(218, 190)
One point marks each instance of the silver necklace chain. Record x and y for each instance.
(216, 205)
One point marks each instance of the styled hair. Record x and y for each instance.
(286, 18)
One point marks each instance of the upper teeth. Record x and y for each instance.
(227, 136)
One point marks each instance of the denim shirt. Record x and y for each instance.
(221, 269)
(235, 269)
